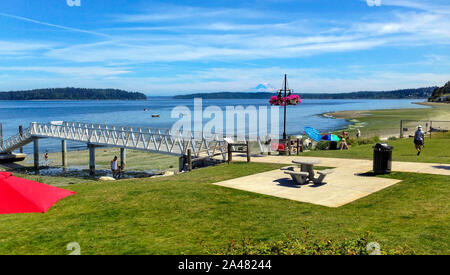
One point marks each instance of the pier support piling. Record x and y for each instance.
(1, 135)
(181, 163)
(64, 153)
(21, 134)
(91, 159)
(401, 128)
(123, 158)
(36, 153)
(248, 152)
(189, 159)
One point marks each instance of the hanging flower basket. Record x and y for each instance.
(282, 101)
(293, 100)
(275, 100)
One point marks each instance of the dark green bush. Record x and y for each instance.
(362, 141)
(323, 145)
(306, 246)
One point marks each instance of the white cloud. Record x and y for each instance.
(174, 13)
(15, 48)
(302, 80)
(89, 72)
(171, 36)
(218, 41)
(434, 6)
(50, 25)
(209, 47)
(421, 26)
(372, 3)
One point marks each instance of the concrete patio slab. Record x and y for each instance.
(346, 184)
(339, 189)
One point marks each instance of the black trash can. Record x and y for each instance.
(382, 158)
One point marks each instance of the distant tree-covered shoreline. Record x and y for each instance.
(397, 94)
(441, 94)
(72, 94)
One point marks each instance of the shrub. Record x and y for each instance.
(362, 141)
(322, 145)
(306, 246)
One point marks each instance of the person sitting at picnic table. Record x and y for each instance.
(344, 145)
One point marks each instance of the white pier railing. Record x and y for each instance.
(16, 141)
(136, 138)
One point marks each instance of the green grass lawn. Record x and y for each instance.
(437, 150)
(185, 213)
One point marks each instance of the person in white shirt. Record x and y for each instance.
(114, 167)
(419, 139)
(358, 133)
(307, 143)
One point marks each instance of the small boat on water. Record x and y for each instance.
(145, 109)
(155, 115)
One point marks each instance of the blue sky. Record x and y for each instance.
(173, 47)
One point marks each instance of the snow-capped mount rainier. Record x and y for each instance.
(264, 87)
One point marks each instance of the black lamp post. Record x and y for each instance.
(285, 90)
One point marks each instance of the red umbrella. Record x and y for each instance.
(19, 195)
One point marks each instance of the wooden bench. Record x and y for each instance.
(298, 177)
(322, 175)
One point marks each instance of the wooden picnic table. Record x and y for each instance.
(307, 165)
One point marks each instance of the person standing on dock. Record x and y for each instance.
(419, 139)
(114, 167)
(46, 158)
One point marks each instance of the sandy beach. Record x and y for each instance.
(386, 123)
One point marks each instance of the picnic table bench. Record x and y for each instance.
(322, 175)
(307, 165)
(306, 172)
(298, 177)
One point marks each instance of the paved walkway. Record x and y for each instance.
(364, 164)
(346, 184)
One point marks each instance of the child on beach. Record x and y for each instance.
(119, 172)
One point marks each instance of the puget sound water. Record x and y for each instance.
(132, 113)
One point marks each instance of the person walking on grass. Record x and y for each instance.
(358, 133)
(419, 139)
(114, 167)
